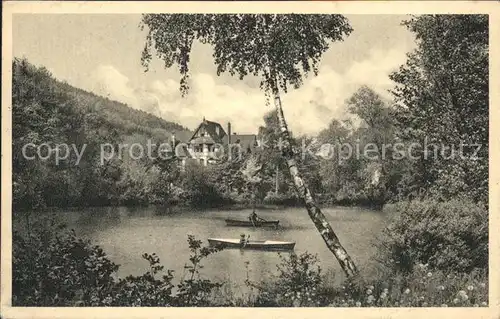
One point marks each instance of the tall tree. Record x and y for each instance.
(279, 49)
(269, 136)
(442, 92)
(336, 174)
(376, 129)
(251, 170)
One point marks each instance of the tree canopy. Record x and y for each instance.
(246, 44)
(442, 94)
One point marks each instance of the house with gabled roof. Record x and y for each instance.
(210, 140)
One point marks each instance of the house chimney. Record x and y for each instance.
(229, 133)
(173, 142)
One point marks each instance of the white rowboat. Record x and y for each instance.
(252, 244)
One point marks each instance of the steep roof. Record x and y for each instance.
(245, 140)
(216, 134)
(214, 129)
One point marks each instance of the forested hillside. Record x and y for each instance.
(45, 110)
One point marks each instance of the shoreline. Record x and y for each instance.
(176, 209)
(179, 208)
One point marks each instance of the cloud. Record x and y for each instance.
(110, 82)
(313, 106)
(307, 109)
(374, 71)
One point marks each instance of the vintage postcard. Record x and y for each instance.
(201, 159)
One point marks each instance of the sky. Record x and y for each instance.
(101, 53)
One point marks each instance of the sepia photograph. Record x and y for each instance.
(325, 159)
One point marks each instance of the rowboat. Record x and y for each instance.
(247, 223)
(252, 244)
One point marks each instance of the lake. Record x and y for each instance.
(126, 233)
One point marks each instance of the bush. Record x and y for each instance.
(297, 283)
(239, 198)
(145, 290)
(448, 236)
(52, 267)
(149, 291)
(199, 191)
(282, 199)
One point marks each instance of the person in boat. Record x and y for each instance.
(254, 218)
(243, 240)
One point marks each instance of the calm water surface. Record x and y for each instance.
(126, 233)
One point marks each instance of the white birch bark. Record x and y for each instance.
(318, 218)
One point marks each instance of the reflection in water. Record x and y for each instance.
(126, 233)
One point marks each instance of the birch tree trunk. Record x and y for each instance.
(276, 186)
(319, 220)
(254, 199)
